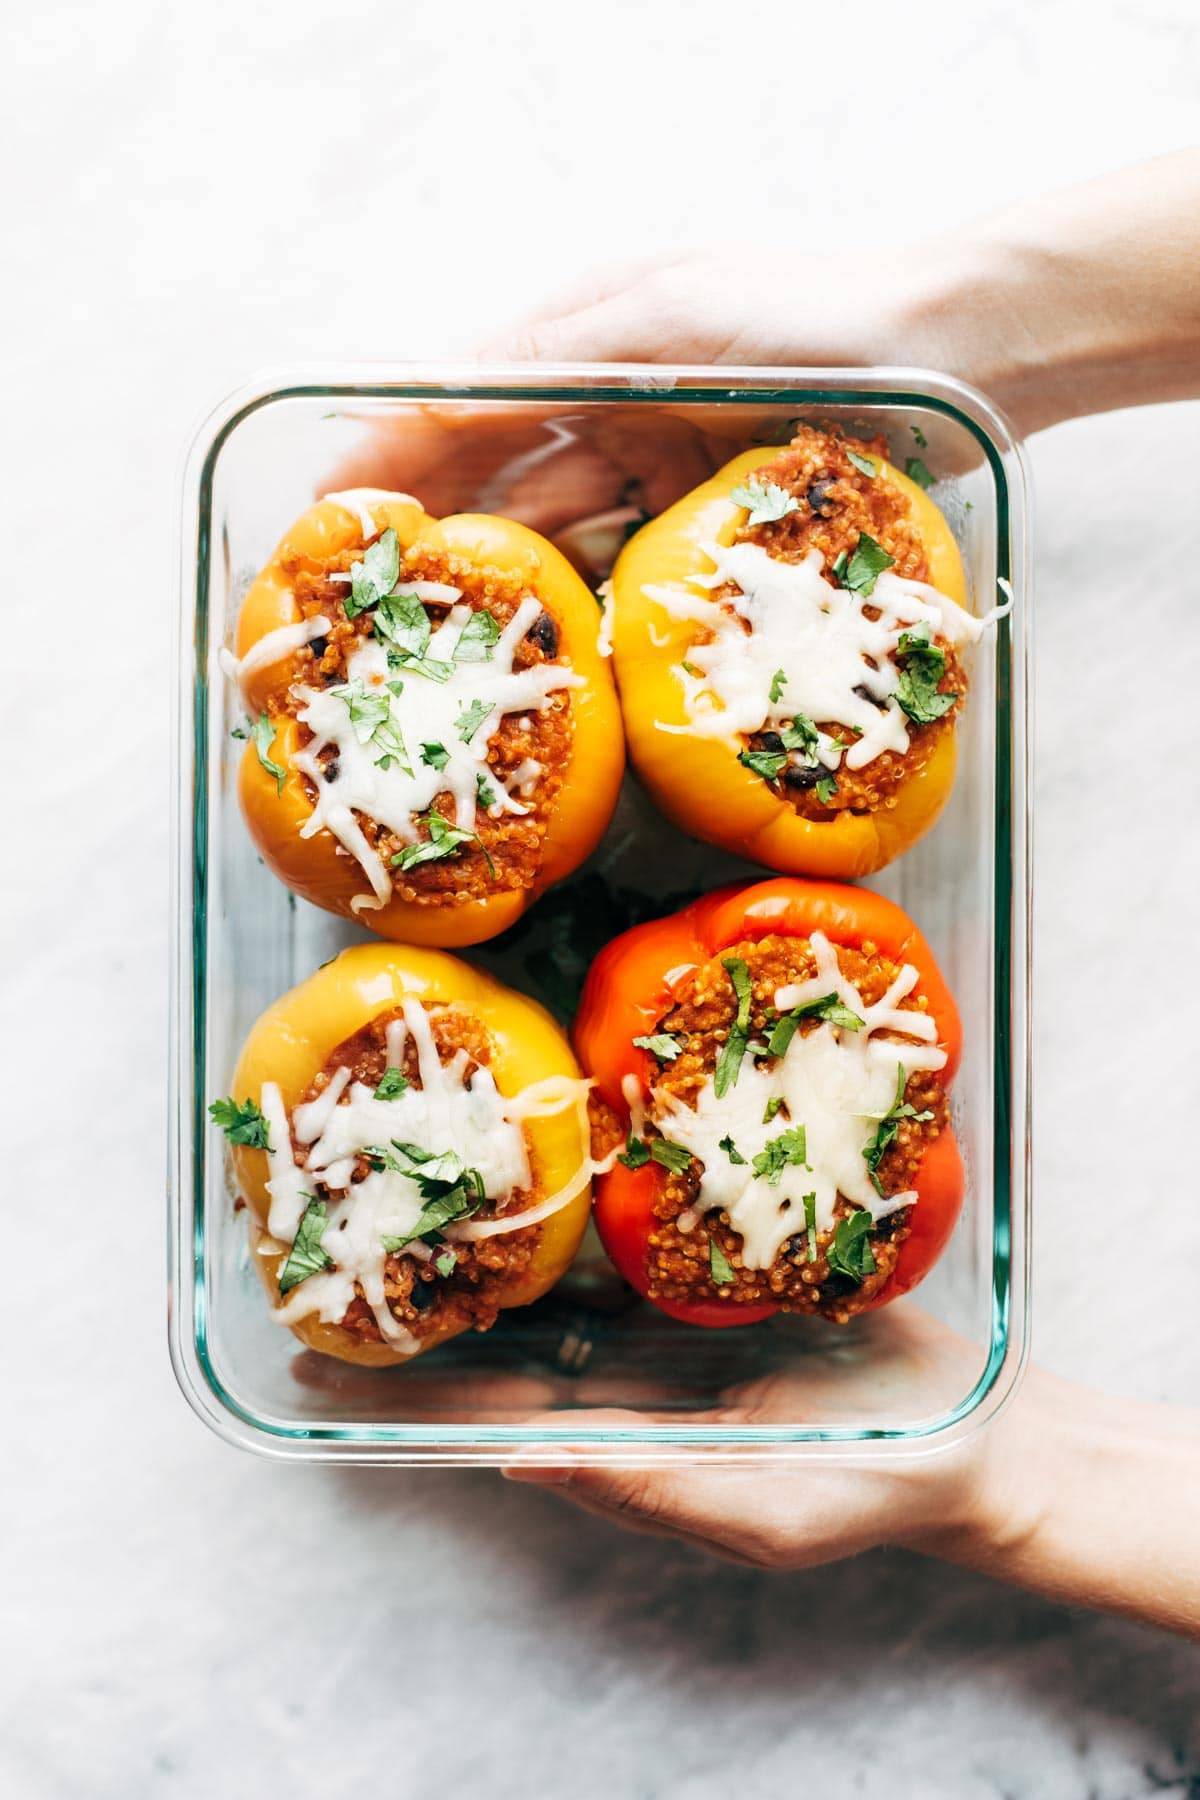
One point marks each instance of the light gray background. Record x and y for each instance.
(195, 191)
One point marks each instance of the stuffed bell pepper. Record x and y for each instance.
(772, 1068)
(788, 645)
(434, 736)
(410, 1140)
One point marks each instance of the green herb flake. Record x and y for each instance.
(436, 756)
(772, 1107)
(661, 1045)
(264, 737)
(866, 465)
(636, 1153)
(919, 438)
(449, 1190)
(778, 683)
(764, 501)
(670, 1156)
(242, 1124)
(237, 732)
(691, 669)
(720, 1267)
(810, 1225)
(850, 1252)
(888, 1128)
(825, 787)
(916, 471)
(478, 638)
(828, 1008)
(471, 718)
(768, 764)
(443, 840)
(485, 793)
(789, 1149)
(866, 566)
(306, 1257)
(734, 1048)
(445, 1264)
(392, 1085)
(838, 568)
(375, 576)
(731, 1150)
(924, 666)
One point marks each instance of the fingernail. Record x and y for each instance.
(535, 1473)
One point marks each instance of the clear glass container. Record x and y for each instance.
(578, 453)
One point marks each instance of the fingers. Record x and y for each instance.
(616, 316)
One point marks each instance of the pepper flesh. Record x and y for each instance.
(698, 781)
(317, 867)
(292, 1042)
(633, 983)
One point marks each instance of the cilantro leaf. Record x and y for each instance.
(919, 438)
(485, 793)
(828, 1008)
(789, 1148)
(866, 465)
(916, 471)
(375, 576)
(769, 764)
(765, 501)
(671, 1156)
(850, 1252)
(446, 1263)
(719, 1265)
(471, 718)
(810, 1225)
(435, 756)
(306, 1257)
(392, 1085)
(866, 566)
(264, 737)
(734, 1048)
(402, 619)
(772, 1107)
(731, 1150)
(661, 1045)
(449, 1190)
(924, 665)
(636, 1153)
(242, 1124)
(778, 683)
(478, 638)
(443, 840)
(888, 1128)
(838, 567)
(237, 732)
(825, 787)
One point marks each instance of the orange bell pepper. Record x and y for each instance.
(632, 984)
(699, 781)
(317, 867)
(293, 1040)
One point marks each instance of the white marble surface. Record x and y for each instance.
(196, 191)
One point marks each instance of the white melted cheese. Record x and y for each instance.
(839, 664)
(837, 1083)
(424, 712)
(359, 501)
(451, 1110)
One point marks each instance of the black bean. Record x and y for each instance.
(331, 769)
(768, 740)
(818, 494)
(803, 775)
(318, 646)
(864, 693)
(544, 633)
(424, 1295)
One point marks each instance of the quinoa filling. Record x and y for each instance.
(789, 1125)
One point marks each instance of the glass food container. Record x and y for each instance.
(590, 1373)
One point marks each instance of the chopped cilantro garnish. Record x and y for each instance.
(478, 638)
(866, 465)
(720, 1267)
(446, 1263)
(471, 718)
(306, 1257)
(731, 1150)
(764, 500)
(691, 669)
(485, 792)
(374, 576)
(838, 568)
(886, 1131)
(769, 764)
(734, 1048)
(392, 1085)
(866, 566)
(810, 1225)
(828, 1007)
(916, 471)
(790, 1147)
(443, 840)
(237, 732)
(661, 1044)
(242, 1124)
(825, 787)
(850, 1252)
(772, 1107)
(922, 442)
(447, 1187)
(436, 756)
(264, 737)
(637, 1153)
(778, 683)
(917, 691)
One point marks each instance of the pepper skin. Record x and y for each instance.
(699, 782)
(631, 985)
(292, 1041)
(315, 867)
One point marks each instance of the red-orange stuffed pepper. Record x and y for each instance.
(787, 643)
(410, 1139)
(434, 732)
(774, 1062)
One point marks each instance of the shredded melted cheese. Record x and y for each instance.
(838, 664)
(450, 1111)
(836, 1082)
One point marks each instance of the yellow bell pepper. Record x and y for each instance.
(316, 867)
(698, 781)
(293, 1040)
